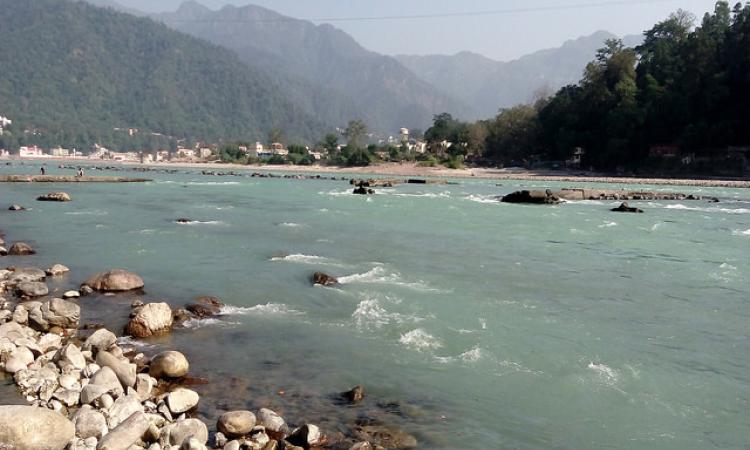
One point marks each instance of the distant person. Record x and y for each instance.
(42, 171)
(80, 171)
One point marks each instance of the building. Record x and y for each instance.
(277, 148)
(4, 123)
(404, 134)
(186, 153)
(205, 152)
(30, 152)
(60, 152)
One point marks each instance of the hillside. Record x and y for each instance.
(331, 65)
(75, 72)
(489, 85)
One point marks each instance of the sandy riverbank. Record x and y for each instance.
(414, 170)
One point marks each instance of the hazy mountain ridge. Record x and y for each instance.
(490, 85)
(76, 72)
(378, 88)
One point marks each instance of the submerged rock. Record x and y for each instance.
(16, 208)
(54, 197)
(116, 280)
(324, 279)
(624, 207)
(32, 428)
(355, 395)
(57, 270)
(21, 249)
(533, 197)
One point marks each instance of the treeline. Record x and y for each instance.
(685, 87)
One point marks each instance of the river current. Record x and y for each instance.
(471, 323)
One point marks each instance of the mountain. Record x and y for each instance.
(75, 72)
(489, 85)
(111, 4)
(324, 61)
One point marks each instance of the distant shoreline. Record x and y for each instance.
(413, 170)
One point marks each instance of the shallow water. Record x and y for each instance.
(472, 324)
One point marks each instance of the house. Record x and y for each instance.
(4, 123)
(575, 158)
(404, 134)
(162, 155)
(205, 152)
(60, 152)
(30, 152)
(186, 153)
(316, 154)
(277, 148)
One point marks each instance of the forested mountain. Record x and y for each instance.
(336, 72)
(71, 73)
(489, 85)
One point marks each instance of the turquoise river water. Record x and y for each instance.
(471, 323)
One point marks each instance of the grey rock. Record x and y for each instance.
(116, 280)
(26, 274)
(21, 249)
(182, 400)
(92, 392)
(57, 270)
(90, 423)
(176, 433)
(125, 372)
(169, 364)
(123, 408)
(152, 319)
(236, 423)
(107, 378)
(31, 428)
(32, 289)
(101, 339)
(126, 433)
(271, 421)
(71, 356)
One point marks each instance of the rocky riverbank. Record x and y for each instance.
(88, 388)
(67, 179)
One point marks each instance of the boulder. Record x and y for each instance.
(32, 289)
(324, 279)
(169, 364)
(21, 249)
(306, 436)
(153, 319)
(16, 208)
(236, 423)
(3, 251)
(57, 270)
(116, 280)
(355, 395)
(31, 428)
(70, 356)
(92, 392)
(122, 408)
(533, 197)
(273, 422)
(182, 400)
(126, 433)
(54, 197)
(107, 378)
(192, 444)
(89, 423)
(61, 313)
(26, 274)
(101, 339)
(177, 432)
(13, 331)
(18, 360)
(125, 371)
(624, 207)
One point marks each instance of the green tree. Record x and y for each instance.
(356, 134)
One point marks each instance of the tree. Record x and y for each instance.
(276, 135)
(356, 134)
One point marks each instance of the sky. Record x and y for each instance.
(515, 29)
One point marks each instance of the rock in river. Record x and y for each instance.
(32, 289)
(236, 423)
(169, 364)
(324, 279)
(624, 207)
(57, 270)
(54, 197)
(534, 197)
(116, 280)
(21, 249)
(152, 319)
(31, 428)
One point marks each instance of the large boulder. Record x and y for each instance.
(273, 422)
(169, 364)
(61, 313)
(54, 197)
(26, 274)
(32, 289)
(101, 339)
(89, 423)
(21, 249)
(182, 400)
(176, 433)
(125, 371)
(126, 433)
(152, 319)
(106, 378)
(624, 207)
(116, 280)
(324, 279)
(31, 428)
(533, 197)
(236, 423)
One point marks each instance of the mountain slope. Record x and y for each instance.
(75, 71)
(490, 85)
(384, 93)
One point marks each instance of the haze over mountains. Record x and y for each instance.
(268, 71)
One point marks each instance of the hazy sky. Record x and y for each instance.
(545, 24)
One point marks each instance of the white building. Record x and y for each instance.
(30, 152)
(404, 134)
(4, 123)
(205, 153)
(60, 152)
(185, 153)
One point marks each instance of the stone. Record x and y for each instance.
(3, 251)
(21, 249)
(105, 401)
(25, 274)
(220, 440)
(202, 311)
(361, 446)
(101, 339)
(21, 315)
(32, 428)
(13, 331)
(177, 432)
(57, 270)
(232, 445)
(192, 444)
(15, 207)
(32, 289)
(144, 386)
(532, 197)
(92, 392)
(182, 400)
(54, 197)
(272, 422)
(125, 371)
(67, 397)
(18, 360)
(624, 207)
(49, 342)
(324, 279)
(70, 355)
(153, 319)
(61, 313)
(85, 290)
(306, 436)
(236, 423)
(89, 423)
(257, 439)
(107, 378)
(116, 280)
(71, 294)
(123, 408)
(169, 364)
(355, 395)
(126, 433)
(386, 437)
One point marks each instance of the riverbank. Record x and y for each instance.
(67, 179)
(415, 170)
